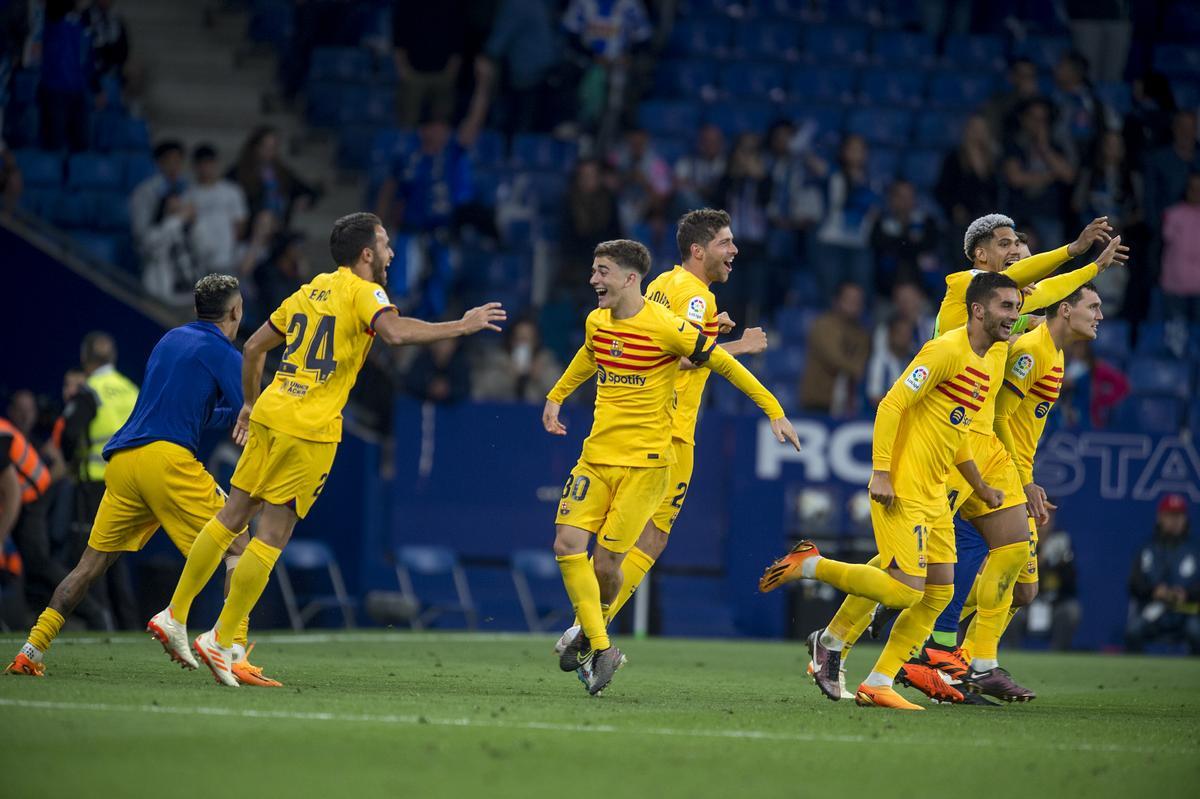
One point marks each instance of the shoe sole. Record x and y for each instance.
(812, 670)
(160, 635)
(864, 700)
(215, 671)
(256, 683)
(1010, 698)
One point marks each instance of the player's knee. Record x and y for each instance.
(905, 592)
(1023, 594)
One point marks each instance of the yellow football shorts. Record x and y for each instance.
(677, 485)
(612, 502)
(283, 470)
(157, 484)
(904, 535)
(998, 471)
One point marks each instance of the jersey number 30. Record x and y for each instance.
(318, 357)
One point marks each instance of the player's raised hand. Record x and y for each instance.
(724, 323)
(880, 488)
(784, 432)
(992, 497)
(241, 428)
(1036, 503)
(484, 317)
(754, 340)
(1097, 230)
(550, 419)
(1114, 254)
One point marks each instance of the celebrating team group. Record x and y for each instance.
(956, 434)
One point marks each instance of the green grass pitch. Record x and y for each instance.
(432, 715)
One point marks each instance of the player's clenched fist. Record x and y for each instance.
(484, 318)
(550, 419)
(754, 340)
(724, 323)
(880, 489)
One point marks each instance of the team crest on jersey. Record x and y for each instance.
(381, 296)
(1042, 409)
(957, 415)
(616, 348)
(563, 509)
(917, 378)
(696, 308)
(1023, 366)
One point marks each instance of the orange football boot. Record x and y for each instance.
(23, 665)
(953, 662)
(787, 568)
(249, 674)
(882, 696)
(929, 682)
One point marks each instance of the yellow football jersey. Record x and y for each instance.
(690, 297)
(1032, 378)
(329, 327)
(953, 312)
(921, 423)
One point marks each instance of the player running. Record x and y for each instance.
(707, 251)
(633, 346)
(292, 430)
(193, 383)
(920, 431)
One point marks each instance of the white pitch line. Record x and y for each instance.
(317, 638)
(548, 726)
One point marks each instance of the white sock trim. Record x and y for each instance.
(984, 664)
(831, 641)
(32, 652)
(808, 569)
(877, 680)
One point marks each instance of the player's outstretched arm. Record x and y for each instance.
(752, 342)
(992, 497)
(550, 419)
(254, 357)
(400, 330)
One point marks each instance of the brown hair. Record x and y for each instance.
(627, 254)
(699, 227)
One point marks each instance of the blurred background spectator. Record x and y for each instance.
(1181, 254)
(1165, 583)
(220, 214)
(851, 205)
(892, 347)
(521, 371)
(838, 348)
(428, 58)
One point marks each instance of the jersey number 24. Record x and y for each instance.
(318, 357)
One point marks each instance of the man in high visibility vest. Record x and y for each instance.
(91, 418)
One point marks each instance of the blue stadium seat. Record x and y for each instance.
(672, 148)
(703, 37)
(922, 166)
(902, 49)
(1187, 92)
(490, 148)
(24, 86)
(135, 168)
(71, 209)
(883, 163)
(549, 189)
(1177, 59)
(113, 131)
(40, 168)
(1113, 341)
(688, 78)
(960, 90)
(822, 84)
(1160, 376)
(388, 146)
(94, 171)
(1045, 51)
(751, 79)
(669, 117)
(378, 107)
(354, 147)
(835, 44)
(777, 39)
(741, 117)
(1150, 414)
(1116, 95)
(1161, 339)
(539, 151)
(881, 125)
(938, 128)
(793, 324)
(784, 362)
(110, 210)
(272, 21)
(890, 86)
(339, 63)
(974, 52)
(39, 201)
(827, 118)
(101, 246)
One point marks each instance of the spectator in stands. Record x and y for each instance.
(968, 186)
(1091, 386)
(67, 79)
(851, 205)
(838, 348)
(149, 194)
(1181, 254)
(590, 215)
(220, 220)
(905, 239)
(911, 302)
(523, 370)
(441, 373)
(524, 42)
(1108, 186)
(23, 412)
(160, 216)
(110, 41)
(427, 187)
(743, 192)
(428, 58)
(1102, 33)
(645, 180)
(1167, 168)
(604, 37)
(1058, 585)
(1037, 173)
(698, 174)
(894, 345)
(281, 272)
(1148, 123)
(1002, 110)
(794, 204)
(1080, 114)
(268, 183)
(1164, 586)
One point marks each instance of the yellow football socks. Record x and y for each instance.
(249, 579)
(46, 629)
(994, 597)
(971, 601)
(579, 578)
(634, 568)
(969, 640)
(851, 619)
(242, 635)
(866, 581)
(912, 627)
(202, 561)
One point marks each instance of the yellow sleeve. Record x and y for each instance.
(278, 320)
(1053, 289)
(931, 366)
(728, 367)
(1036, 267)
(369, 303)
(1021, 371)
(582, 367)
(965, 453)
(1006, 403)
(680, 337)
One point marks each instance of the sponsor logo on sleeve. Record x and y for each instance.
(696, 308)
(1042, 409)
(1023, 366)
(917, 378)
(381, 297)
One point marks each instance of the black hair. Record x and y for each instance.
(1071, 299)
(699, 227)
(351, 235)
(213, 294)
(985, 285)
(626, 253)
(204, 152)
(167, 146)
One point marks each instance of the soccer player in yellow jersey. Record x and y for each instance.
(706, 246)
(920, 432)
(633, 347)
(291, 430)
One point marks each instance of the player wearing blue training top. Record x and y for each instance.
(193, 383)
